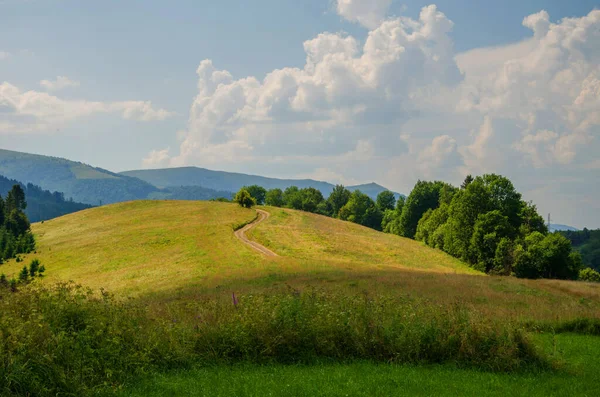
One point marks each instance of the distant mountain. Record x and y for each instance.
(189, 193)
(372, 190)
(558, 227)
(91, 185)
(41, 204)
(233, 181)
(78, 181)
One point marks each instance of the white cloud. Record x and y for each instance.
(58, 84)
(341, 87)
(368, 13)
(402, 105)
(440, 155)
(4, 55)
(38, 111)
(539, 23)
(156, 159)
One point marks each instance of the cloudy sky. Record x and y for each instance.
(346, 91)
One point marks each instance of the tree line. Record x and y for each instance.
(15, 234)
(42, 204)
(484, 222)
(353, 206)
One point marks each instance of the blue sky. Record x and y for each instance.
(130, 95)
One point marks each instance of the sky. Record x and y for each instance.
(346, 91)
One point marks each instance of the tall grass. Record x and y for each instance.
(67, 340)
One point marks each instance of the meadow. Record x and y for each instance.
(186, 308)
(577, 377)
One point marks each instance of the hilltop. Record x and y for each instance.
(148, 246)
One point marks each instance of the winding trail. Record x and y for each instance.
(241, 234)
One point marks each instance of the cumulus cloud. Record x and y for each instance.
(58, 84)
(550, 94)
(342, 89)
(25, 111)
(440, 155)
(156, 158)
(400, 105)
(368, 13)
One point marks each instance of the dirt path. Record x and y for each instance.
(241, 234)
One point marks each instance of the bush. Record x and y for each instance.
(589, 274)
(24, 275)
(66, 340)
(244, 199)
(34, 267)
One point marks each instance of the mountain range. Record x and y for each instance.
(96, 186)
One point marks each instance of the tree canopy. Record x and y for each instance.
(244, 198)
(258, 193)
(15, 236)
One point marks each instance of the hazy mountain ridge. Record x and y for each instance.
(96, 186)
(41, 204)
(553, 227)
(233, 181)
(79, 181)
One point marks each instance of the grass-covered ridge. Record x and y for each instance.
(148, 246)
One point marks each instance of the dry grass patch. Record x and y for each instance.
(316, 238)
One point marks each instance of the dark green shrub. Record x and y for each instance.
(24, 275)
(34, 266)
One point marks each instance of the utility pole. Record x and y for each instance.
(548, 220)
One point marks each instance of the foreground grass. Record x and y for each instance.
(577, 375)
(67, 340)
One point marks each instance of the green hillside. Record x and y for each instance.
(157, 248)
(81, 182)
(146, 246)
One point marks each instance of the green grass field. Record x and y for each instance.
(181, 258)
(578, 376)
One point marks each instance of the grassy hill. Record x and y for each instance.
(233, 181)
(157, 249)
(340, 297)
(81, 182)
(149, 246)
